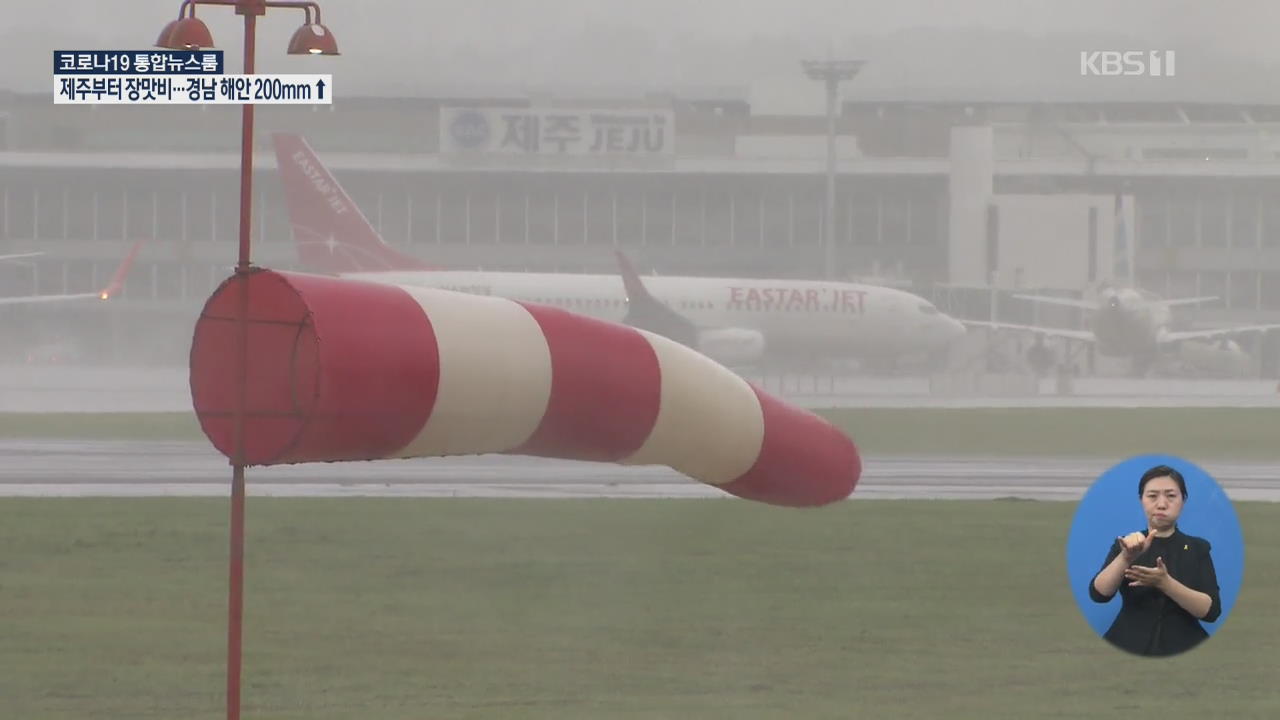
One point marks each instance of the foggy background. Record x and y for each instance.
(918, 51)
(1226, 50)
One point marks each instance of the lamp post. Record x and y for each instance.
(832, 73)
(312, 38)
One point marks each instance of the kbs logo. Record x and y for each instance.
(1153, 63)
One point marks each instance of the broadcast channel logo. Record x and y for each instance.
(1152, 63)
(469, 129)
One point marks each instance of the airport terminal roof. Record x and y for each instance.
(710, 165)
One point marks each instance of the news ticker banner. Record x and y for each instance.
(557, 131)
(175, 77)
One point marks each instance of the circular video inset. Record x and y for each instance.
(1155, 556)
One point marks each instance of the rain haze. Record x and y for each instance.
(563, 257)
(980, 44)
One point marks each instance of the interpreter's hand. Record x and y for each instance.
(1134, 544)
(1154, 577)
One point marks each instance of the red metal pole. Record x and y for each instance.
(236, 606)
(246, 145)
(235, 610)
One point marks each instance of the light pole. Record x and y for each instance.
(313, 38)
(832, 73)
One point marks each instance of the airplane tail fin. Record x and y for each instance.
(122, 271)
(1122, 269)
(330, 232)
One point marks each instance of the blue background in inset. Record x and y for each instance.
(1111, 508)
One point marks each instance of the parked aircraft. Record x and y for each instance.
(734, 320)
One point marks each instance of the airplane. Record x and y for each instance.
(20, 255)
(1125, 322)
(728, 319)
(113, 287)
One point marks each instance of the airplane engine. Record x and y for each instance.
(1040, 358)
(342, 370)
(1223, 357)
(732, 346)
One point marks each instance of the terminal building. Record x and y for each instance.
(950, 196)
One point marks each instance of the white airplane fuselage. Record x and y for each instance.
(1127, 325)
(794, 316)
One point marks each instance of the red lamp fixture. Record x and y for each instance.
(190, 32)
(185, 33)
(313, 39)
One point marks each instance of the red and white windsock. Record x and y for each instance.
(340, 369)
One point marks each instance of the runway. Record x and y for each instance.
(97, 389)
(72, 468)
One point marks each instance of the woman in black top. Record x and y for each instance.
(1166, 578)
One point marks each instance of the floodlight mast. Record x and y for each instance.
(831, 73)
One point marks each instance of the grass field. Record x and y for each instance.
(593, 609)
(1194, 433)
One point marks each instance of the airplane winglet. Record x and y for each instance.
(122, 271)
(646, 312)
(631, 279)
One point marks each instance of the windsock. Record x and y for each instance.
(341, 370)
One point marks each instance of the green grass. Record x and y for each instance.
(102, 426)
(1223, 433)
(1219, 433)
(592, 609)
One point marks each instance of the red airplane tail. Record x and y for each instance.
(329, 231)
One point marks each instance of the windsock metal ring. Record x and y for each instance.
(344, 370)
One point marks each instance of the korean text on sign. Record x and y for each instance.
(557, 132)
(137, 62)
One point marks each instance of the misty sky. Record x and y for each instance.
(403, 45)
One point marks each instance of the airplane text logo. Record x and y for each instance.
(319, 183)
(1153, 63)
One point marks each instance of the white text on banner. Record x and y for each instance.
(192, 89)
